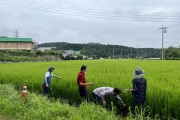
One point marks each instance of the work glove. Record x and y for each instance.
(104, 103)
(126, 90)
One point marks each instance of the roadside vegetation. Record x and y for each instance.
(38, 107)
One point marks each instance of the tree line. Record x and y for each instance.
(97, 50)
(91, 50)
(172, 53)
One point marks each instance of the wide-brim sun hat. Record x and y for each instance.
(138, 72)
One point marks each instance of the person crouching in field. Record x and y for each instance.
(100, 93)
(81, 82)
(139, 86)
(47, 81)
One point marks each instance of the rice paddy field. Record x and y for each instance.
(163, 80)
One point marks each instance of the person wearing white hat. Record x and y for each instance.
(47, 80)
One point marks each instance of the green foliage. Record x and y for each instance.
(9, 57)
(21, 56)
(38, 107)
(172, 53)
(98, 50)
(162, 80)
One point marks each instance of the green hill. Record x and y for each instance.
(99, 50)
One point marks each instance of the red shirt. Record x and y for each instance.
(81, 78)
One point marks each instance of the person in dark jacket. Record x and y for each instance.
(139, 86)
(47, 80)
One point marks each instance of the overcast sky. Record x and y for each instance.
(133, 23)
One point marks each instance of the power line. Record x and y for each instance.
(82, 13)
(144, 19)
(95, 12)
(90, 10)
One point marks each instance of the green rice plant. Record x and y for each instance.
(163, 90)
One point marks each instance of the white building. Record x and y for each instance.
(45, 48)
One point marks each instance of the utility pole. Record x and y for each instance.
(113, 53)
(164, 30)
(137, 51)
(164, 52)
(121, 53)
(145, 54)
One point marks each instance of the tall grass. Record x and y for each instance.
(163, 92)
(38, 107)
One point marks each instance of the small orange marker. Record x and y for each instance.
(24, 91)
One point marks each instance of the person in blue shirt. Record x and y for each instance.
(47, 80)
(139, 86)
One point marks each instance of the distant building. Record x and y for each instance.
(70, 52)
(45, 48)
(17, 44)
(154, 58)
(101, 58)
(77, 52)
(90, 58)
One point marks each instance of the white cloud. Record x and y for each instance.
(155, 10)
(45, 26)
